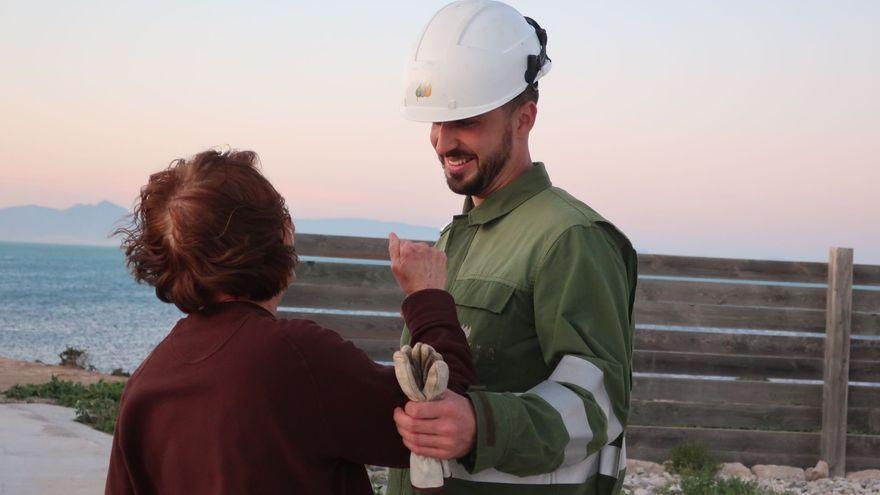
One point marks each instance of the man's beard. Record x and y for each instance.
(487, 169)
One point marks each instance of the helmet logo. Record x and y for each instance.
(423, 91)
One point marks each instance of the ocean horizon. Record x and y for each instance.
(57, 296)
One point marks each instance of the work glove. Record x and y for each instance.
(423, 376)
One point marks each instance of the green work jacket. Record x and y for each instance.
(544, 288)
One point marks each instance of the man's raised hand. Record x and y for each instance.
(416, 265)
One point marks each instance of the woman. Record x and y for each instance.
(234, 399)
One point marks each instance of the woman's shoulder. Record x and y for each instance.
(306, 335)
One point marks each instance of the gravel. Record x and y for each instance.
(647, 484)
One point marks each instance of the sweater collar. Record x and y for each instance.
(240, 306)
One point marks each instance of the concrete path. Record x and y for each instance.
(42, 450)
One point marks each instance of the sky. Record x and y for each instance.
(746, 129)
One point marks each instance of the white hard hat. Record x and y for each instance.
(473, 57)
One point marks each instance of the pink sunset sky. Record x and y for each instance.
(741, 129)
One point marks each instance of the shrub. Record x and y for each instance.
(64, 393)
(692, 458)
(76, 358)
(96, 405)
(99, 413)
(704, 483)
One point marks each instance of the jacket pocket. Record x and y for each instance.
(488, 295)
(483, 307)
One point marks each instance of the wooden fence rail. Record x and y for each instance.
(764, 361)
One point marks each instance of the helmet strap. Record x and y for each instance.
(536, 62)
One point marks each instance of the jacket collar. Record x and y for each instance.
(509, 197)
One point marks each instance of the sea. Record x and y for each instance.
(56, 296)
(53, 297)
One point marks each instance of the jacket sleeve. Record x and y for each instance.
(574, 420)
(356, 396)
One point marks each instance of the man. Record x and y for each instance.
(544, 283)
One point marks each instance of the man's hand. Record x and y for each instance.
(443, 429)
(416, 265)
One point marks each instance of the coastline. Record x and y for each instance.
(18, 372)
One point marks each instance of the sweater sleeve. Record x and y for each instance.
(358, 396)
(433, 320)
(119, 481)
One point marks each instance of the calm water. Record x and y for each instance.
(52, 297)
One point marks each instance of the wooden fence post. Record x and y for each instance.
(837, 336)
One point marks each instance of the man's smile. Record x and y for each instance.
(456, 165)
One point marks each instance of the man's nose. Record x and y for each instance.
(444, 139)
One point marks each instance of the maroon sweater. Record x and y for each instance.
(239, 402)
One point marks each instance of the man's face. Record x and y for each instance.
(473, 151)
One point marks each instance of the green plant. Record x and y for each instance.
(64, 393)
(99, 413)
(704, 483)
(120, 372)
(77, 358)
(692, 458)
(96, 405)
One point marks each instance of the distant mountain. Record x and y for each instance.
(360, 227)
(92, 225)
(79, 224)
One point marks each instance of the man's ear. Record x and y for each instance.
(525, 118)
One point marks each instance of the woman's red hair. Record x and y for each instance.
(210, 226)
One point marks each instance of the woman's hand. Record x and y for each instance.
(416, 265)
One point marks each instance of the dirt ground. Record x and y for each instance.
(13, 372)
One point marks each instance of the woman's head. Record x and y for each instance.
(210, 227)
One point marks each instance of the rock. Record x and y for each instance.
(865, 482)
(736, 470)
(866, 475)
(817, 473)
(771, 471)
(643, 467)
